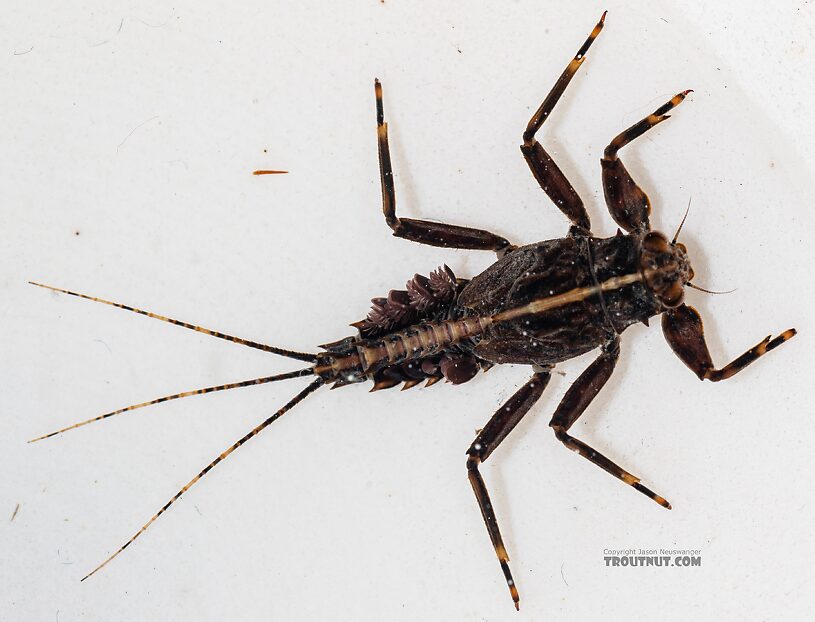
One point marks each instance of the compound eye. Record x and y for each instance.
(682, 247)
(673, 295)
(655, 242)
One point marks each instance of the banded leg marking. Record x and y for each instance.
(423, 231)
(574, 403)
(627, 202)
(685, 334)
(551, 179)
(496, 430)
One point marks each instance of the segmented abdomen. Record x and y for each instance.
(418, 341)
(366, 357)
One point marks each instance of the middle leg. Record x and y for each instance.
(577, 399)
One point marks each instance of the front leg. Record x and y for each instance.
(424, 231)
(577, 399)
(629, 205)
(496, 430)
(685, 334)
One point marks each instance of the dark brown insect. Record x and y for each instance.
(538, 305)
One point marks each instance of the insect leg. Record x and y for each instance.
(549, 176)
(627, 202)
(577, 398)
(423, 231)
(496, 430)
(685, 334)
(253, 432)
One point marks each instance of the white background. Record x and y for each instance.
(129, 132)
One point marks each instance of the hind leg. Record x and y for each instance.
(627, 202)
(549, 176)
(496, 430)
(424, 231)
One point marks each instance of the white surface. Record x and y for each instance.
(129, 132)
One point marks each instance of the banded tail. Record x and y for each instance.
(301, 356)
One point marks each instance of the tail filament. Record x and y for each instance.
(253, 432)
